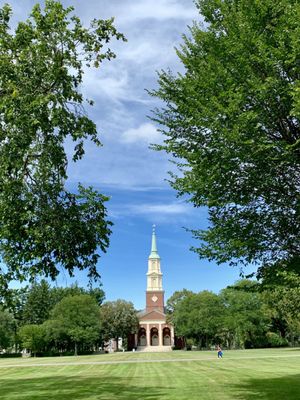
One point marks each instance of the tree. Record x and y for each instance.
(39, 303)
(199, 316)
(245, 321)
(59, 293)
(78, 319)
(7, 329)
(13, 301)
(232, 121)
(33, 304)
(97, 293)
(45, 227)
(283, 304)
(119, 319)
(32, 337)
(174, 300)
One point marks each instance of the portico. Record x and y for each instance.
(155, 334)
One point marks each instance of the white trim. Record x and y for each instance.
(156, 321)
(152, 311)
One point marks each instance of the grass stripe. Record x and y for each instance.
(241, 375)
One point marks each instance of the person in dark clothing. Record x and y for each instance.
(220, 352)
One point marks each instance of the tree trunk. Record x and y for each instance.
(75, 349)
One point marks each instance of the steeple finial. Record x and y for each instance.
(153, 253)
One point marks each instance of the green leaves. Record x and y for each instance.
(199, 316)
(77, 318)
(43, 227)
(32, 337)
(231, 121)
(237, 317)
(119, 319)
(7, 329)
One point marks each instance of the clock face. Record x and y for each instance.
(154, 298)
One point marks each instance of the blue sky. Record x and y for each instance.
(125, 168)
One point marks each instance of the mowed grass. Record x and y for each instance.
(248, 374)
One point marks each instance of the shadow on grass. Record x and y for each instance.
(283, 388)
(77, 388)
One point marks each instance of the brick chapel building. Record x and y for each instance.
(154, 333)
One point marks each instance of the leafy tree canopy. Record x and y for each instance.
(245, 317)
(45, 227)
(77, 318)
(13, 301)
(198, 315)
(232, 120)
(32, 337)
(39, 302)
(173, 302)
(33, 304)
(7, 328)
(119, 319)
(283, 300)
(59, 293)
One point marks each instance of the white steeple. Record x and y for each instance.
(154, 275)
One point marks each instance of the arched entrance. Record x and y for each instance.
(154, 337)
(142, 338)
(166, 337)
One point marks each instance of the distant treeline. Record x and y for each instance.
(247, 314)
(45, 320)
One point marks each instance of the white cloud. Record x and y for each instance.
(118, 89)
(162, 10)
(120, 165)
(146, 132)
(158, 209)
(107, 83)
(164, 212)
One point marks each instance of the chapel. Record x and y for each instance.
(154, 333)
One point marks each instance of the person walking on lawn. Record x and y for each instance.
(220, 352)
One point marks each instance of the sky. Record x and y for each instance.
(125, 168)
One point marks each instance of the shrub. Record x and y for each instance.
(10, 355)
(275, 340)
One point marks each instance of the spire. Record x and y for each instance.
(153, 253)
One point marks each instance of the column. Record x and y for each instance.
(136, 340)
(160, 335)
(148, 335)
(172, 335)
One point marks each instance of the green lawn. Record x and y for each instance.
(248, 374)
